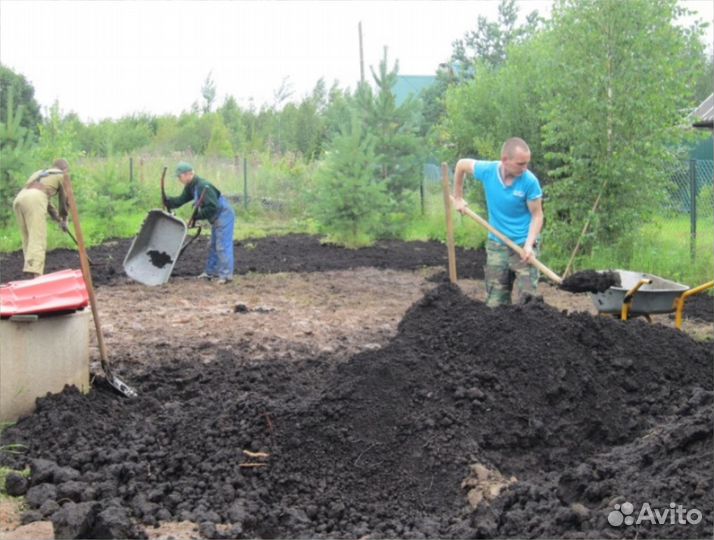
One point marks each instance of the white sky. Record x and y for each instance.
(111, 58)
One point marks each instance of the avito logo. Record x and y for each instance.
(675, 514)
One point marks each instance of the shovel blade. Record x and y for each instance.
(120, 385)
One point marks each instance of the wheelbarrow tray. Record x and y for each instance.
(657, 297)
(154, 251)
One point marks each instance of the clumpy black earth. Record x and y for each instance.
(291, 253)
(590, 281)
(159, 258)
(585, 412)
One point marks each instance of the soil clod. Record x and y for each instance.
(591, 281)
(159, 258)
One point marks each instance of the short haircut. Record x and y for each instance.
(61, 164)
(511, 145)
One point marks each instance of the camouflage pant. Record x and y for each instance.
(503, 268)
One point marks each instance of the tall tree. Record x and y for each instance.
(282, 93)
(490, 41)
(58, 137)
(501, 103)
(14, 150)
(348, 202)
(398, 149)
(234, 121)
(484, 49)
(620, 77)
(208, 91)
(23, 96)
(219, 145)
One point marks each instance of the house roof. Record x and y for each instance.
(704, 114)
(411, 85)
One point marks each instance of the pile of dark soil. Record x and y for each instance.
(291, 253)
(562, 415)
(591, 281)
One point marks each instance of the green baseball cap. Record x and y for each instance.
(183, 167)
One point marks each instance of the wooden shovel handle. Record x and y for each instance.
(86, 272)
(511, 244)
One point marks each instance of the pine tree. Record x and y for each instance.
(348, 202)
(219, 145)
(14, 146)
(397, 146)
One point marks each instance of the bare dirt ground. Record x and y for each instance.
(287, 315)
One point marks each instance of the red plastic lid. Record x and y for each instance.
(59, 291)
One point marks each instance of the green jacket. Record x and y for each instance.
(210, 206)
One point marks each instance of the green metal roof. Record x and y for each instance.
(407, 85)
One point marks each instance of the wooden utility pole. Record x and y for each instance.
(361, 54)
(451, 249)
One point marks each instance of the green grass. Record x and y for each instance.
(662, 248)
(432, 226)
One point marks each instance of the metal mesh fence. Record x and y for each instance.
(691, 191)
(253, 182)
(692, 195)
(280, 184)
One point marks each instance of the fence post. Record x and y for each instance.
(236, 164)
(421, 194)
(245, 183)
(450, 246)
(693, 209)
(131, 176)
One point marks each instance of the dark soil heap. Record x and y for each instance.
(290, 253)
(591, 281)
(585, 412)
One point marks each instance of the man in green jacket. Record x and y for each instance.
(218, 212)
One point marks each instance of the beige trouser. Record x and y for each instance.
(30, 207)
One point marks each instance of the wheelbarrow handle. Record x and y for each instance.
(511, 244)
(164, 200)
(192, 223)
(191, 241)
(199, 203)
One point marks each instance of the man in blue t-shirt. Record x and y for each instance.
(514, 199)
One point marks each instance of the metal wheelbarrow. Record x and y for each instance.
(155, 250)
(639, 294)
(160, 242)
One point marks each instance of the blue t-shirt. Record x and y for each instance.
(507, 205)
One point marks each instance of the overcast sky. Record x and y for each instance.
(105, 59)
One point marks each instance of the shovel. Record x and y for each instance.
(583, 281)
(511, 244)
(192, 222)
(77, 244)
(115, 382)
(58, 220)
